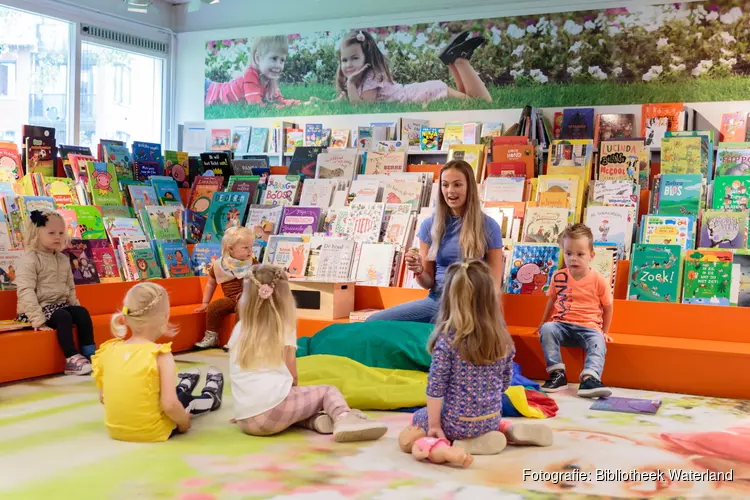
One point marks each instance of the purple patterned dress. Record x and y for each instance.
(472, 394)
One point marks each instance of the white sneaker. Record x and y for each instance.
(77, 365)
(210, 340)
(356, 426)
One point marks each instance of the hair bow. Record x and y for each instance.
(361, 36)
(38, 218)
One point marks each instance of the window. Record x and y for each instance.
(121, 95)
(34, 73)
(7, 79)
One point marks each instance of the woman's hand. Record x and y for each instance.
(436, 432)
(202, 308)
(414, 262)
(356, 77)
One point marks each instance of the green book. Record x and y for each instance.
(103, 184)
(731, 192)
(680, 194)
(707, 277)
(655, 273)
(90, 222)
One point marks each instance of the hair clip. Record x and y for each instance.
(360, 36)
(465, 265)
(125, 311)
(38, 218)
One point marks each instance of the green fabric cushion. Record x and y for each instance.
(399, 345)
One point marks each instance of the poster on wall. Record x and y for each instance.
(678, 52)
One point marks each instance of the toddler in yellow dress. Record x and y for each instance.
(136, 376)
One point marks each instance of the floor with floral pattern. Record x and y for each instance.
(53, 445)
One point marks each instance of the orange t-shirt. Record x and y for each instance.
(580, 302)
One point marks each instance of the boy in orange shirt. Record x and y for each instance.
(582, 302)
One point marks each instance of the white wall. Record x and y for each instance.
(190, 71)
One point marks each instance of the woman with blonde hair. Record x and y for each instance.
(458, 231)
(263, 369)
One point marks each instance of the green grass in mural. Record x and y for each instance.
(595, 94)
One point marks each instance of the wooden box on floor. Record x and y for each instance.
(323, 300)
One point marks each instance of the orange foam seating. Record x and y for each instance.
(28, 353)
(680, 348)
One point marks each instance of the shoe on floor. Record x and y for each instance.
(77, 365)
(527, 434)
(214, 386)
(210, 340)
(491, 443)
(592, 387)
(322, 423)
(356, 426)
(189, 379)
(557, 381)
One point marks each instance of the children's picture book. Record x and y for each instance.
(655, 273)
(733, 160)
(366, 219)
(668, 230)
(683, 155)
(177, 166)
(731, 192)
(720, 229)
(258, 140)
(216, 165)
(531, 267)
(167, 191)
(292, 256)
(300, 220)
(375, 262)
(90, 222)
(142, 197)
(202, 193)
(240, 139)
(174, 258)
(203, 258)
(611, 225)
(8, 264)
(103, 184)
(304, 161)
(707, 278)
(81, 263)
(221, 139)
(627, 405)
(429, 139)
(544, 225)
(680, 194)
(165, 222)
(578, 123)
(121, 158)
(105, 260)
(227, 210)
(622, 159)
(62, 190)
(313, 134)
(281, 190)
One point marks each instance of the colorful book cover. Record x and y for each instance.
(177, 166)
(668, 230)
(258, 140)
(120, 157)
(142, 197)
(147, 152)
(627, 405)
(721, 229)
(175, 259)
(240, 139)
(531, 267)
(281, 190)
(429, 138)
(112, 211)
(141, 260)
(221, 139)
(680, 194)
(614, 126)
(203, 258)
(193, 224)
(103, 184)
(304, 161)
(299, 220)
(244, 184)
(165, 222)
(10, 165)
(292, 256)
(655, 273)
(227, 210)
(62, 190)
(733, 160)
(105, 260)
(544, 225)
(81, 263)
(202, 193)
(167, 191)
(403, 193)
(733, 127)
(313, 134)
(144, 170)
(622, 159)
(731, 192)
(611, 225)
(216, 165)
(40, 156)
(90, 222)
(658, 119)
(707, 278)
(683, 155)
(340, 139)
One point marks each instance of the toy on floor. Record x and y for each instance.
(436, 450)
(439, 451)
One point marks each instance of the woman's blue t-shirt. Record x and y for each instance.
(449, 251)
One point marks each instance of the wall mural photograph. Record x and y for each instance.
(677, 52)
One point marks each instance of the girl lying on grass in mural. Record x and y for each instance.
(259, 85)
(364, 76)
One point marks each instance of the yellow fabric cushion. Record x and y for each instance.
(364, 387)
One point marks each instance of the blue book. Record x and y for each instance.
(227, 209)
(174, 258)
(204, 256)
(166, 189)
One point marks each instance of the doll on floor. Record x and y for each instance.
(439, 451)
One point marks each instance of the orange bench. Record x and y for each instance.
(680, 348)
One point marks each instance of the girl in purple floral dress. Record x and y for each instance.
(472, 365)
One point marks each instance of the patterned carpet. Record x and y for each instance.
(53, 446)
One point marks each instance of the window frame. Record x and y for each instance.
(77, 16)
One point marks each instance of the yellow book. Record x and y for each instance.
(453, 134)
(473, 154)
(572, 184)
